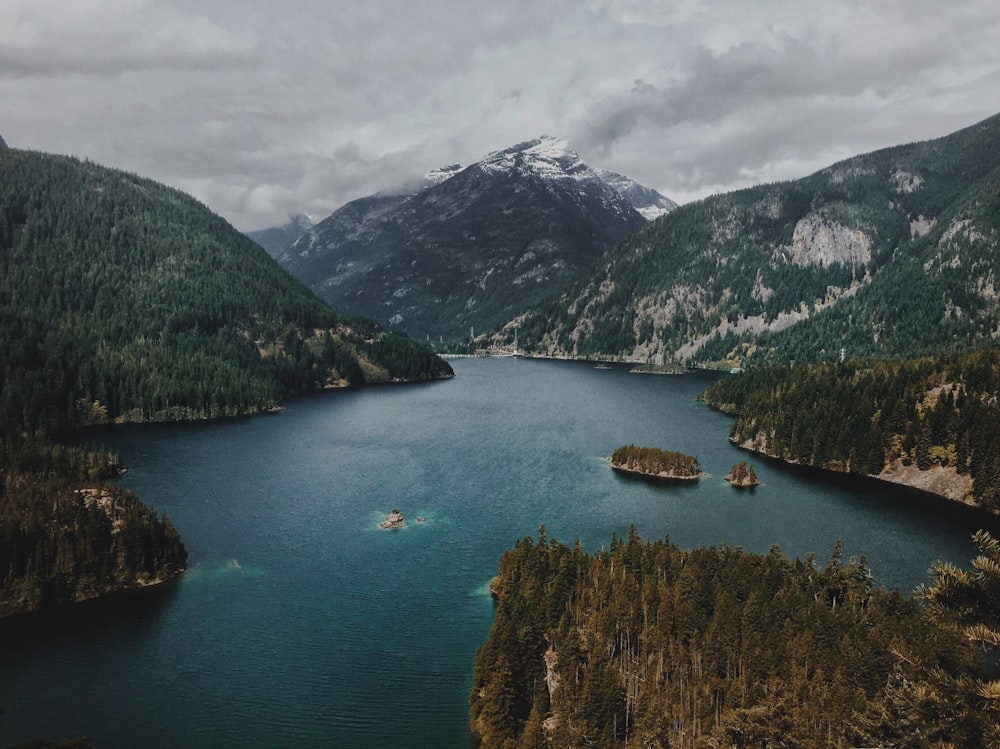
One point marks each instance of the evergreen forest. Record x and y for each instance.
(875, 418)
(647, 645)
(122, 300)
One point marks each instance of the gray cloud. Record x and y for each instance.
(261, 109)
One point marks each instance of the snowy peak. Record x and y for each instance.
(552, 158)
(439, 175)
(548, 157)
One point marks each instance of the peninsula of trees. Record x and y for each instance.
(656, 463)
(931, 423)
(648, 645)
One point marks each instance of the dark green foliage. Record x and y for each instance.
(67, 536)
(928, 213)
(645, 644)
(866, 418)
(122, 299)
(655, 462)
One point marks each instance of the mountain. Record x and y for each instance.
(892, 253)
(124, 300)
(277, 239)
(3, 144)
(475, 245)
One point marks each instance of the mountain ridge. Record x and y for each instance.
(472, 247)
(799, 269)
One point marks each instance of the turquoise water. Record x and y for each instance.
(300, 623)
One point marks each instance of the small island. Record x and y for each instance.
(655, 463)
(742, 476)
(393, 520)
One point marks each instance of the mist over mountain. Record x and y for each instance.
(277, 238)
(475, 245)
(892, 253)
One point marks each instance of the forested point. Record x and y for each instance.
(875, 418)
(66, 535)
(122, 300)
(652, 461)
(648, 645)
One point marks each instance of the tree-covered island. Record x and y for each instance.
(742, 476)
(656, 463)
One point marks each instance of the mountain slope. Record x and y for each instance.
(891, 253)
(471, 249)
(121, 299)
(277, 239)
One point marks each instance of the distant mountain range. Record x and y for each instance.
(894, 253)
(277, 239)
(475, 245)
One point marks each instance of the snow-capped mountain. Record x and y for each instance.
(277, 239)
(475, 247)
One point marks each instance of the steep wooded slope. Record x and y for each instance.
(122, 299)
(645, 644)
(892, 253)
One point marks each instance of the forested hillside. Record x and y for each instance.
(888, 254)
(121, 299)
(124, 300)
(933, 423)
(647, 645)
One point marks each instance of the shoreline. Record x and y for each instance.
(898, 480)
(656, 476)
(90, 603)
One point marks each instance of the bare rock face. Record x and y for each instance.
(818, 240)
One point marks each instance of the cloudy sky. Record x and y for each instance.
(261, 108)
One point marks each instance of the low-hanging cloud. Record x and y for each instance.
(263, 109)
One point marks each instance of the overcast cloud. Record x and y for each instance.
(261, 109)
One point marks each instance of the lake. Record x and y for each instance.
(301, 623)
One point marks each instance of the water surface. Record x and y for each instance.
(301, 623)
